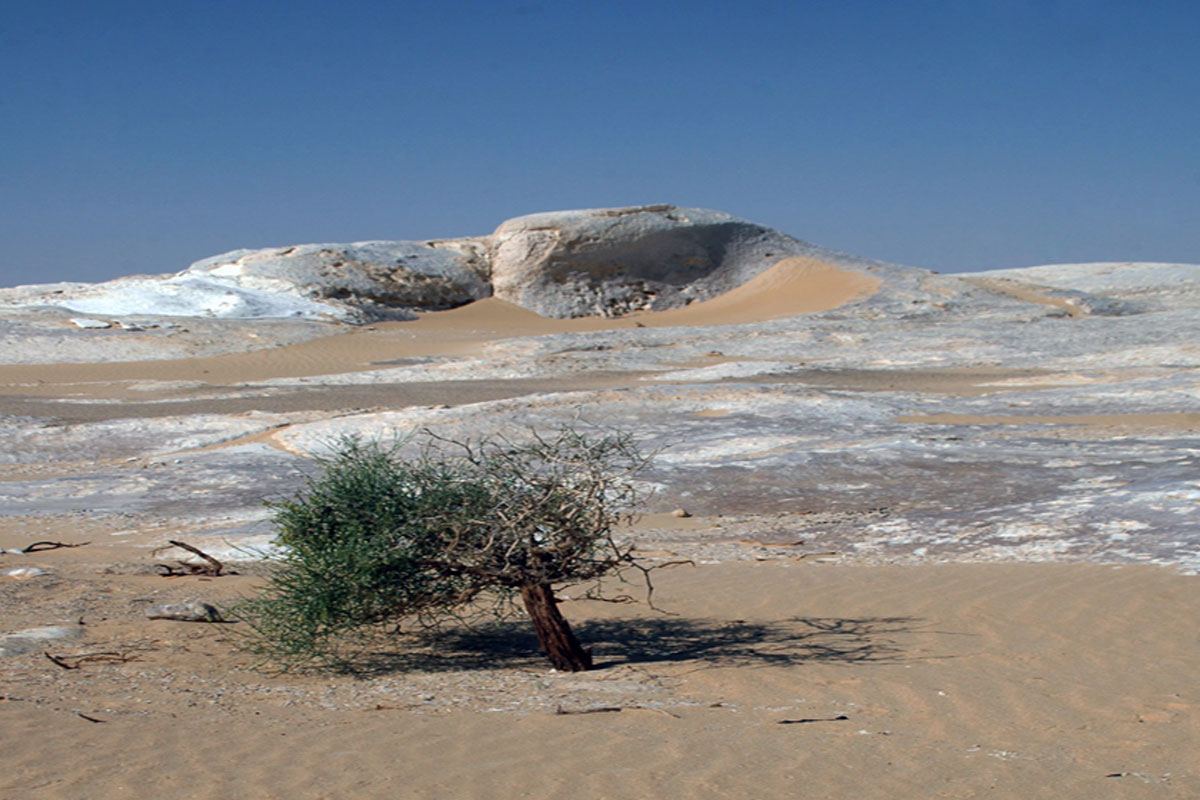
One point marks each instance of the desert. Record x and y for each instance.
(941, 531)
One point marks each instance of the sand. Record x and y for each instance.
(787, 677)
(1017, 680)
(1028, 294)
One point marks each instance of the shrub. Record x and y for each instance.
(375, 541)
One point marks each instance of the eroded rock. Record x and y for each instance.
(90, 324)
(190, 611)
(612, 261)
(366, 280)
(33, 639)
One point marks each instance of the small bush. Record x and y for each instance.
(375, 541)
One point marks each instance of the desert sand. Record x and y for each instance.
(771, 679)
(782, 672)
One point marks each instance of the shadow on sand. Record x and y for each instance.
(706, 643)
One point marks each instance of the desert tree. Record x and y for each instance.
(375, 540)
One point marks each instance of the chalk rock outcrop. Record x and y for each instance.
(356, 282)
(371, 280)
(612, 261)
(182, 295)
(591, 262)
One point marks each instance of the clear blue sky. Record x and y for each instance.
(136, 137)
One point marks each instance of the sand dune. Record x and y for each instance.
(791, 286)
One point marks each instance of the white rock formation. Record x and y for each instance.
(366, 279)
(90, 324)
(182, 295)
(611, 261)
(350, 282)
(592, 262)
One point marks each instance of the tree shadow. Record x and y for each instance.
(649, 640)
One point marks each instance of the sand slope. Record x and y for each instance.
(791, 286)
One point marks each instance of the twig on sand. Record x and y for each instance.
(211, 568)
(38, 547)
(75, 662)
(89, 719)
(60, 662)
(560, 711)
(838, 718)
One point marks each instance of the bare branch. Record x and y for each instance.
(212, 567)
(38, 547)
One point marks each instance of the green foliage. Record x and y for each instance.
(374, 541)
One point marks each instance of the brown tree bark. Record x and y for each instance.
(553, 631)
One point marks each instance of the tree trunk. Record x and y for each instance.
(553, 631)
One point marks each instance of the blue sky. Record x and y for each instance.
(136, 137)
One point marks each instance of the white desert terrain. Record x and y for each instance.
(944, 530)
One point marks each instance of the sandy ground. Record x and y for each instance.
(787, 677)
(771, 679)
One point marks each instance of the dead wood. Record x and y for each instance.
(75, 662)
(610, 709)
(211, 567)
(620, 599)
(683, 562)
(60, 662)
(38, 547)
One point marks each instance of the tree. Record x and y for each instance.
(376, 540)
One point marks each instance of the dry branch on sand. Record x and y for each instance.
(210, 566)
(40, 547)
